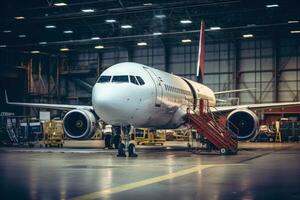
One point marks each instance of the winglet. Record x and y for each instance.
(200, 63)
(6, 98)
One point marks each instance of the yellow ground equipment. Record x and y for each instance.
(278, 133)
(146, 136)
(53, 133)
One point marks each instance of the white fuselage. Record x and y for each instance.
(159, 100)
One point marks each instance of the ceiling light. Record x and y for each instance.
(126, 26)
(147, 4)
(295, 31)
(157, 33)
(272, 5)
(214, 28)
(68, 31)
(247, 35)
(7, 31)
(293, 21)
(110, 20)
(42, 43)
(60, 4)
(95, 38)
(35, 52)
(160, 16)
(142, 43)
(186, 40)
(2, 45)
(185, 21)
(50, 26)
(64, 49)
(21, 36)
(99, 47)
(19, 17)
(88, 10)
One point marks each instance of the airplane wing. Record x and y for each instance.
(45, 105)
(262, 106)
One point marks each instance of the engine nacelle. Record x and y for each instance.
(79, 124)
(244, 123)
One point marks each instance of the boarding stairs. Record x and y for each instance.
(209, 126)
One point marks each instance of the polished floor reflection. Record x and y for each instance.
(271, 173)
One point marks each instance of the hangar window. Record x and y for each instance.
(140, 80)
(133, 80)
(120, 79)
(104, 79)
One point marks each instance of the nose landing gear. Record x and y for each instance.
(126, 146)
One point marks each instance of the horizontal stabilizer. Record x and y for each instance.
(234, 91)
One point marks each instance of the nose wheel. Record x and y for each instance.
(126, 146)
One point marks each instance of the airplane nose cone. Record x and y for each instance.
(109, 104)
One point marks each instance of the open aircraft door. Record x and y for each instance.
(158, 86)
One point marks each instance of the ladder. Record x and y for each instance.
(207, 125)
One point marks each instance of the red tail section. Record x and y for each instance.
(200, 63)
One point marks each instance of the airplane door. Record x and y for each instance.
(158, 82)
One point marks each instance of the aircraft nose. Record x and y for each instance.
(108, 103)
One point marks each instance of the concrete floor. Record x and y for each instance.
(259, 171)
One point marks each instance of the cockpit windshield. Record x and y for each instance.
(104, 79)
(120, 79)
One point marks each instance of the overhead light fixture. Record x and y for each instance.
(272, 5)
(110, 20)
(2, 46)
(215, 28)
(22, 36)
(95, 38)
(7, 31)
(295, 31)
(42, 43)
(126, 26)
(160, 16)
(99, 47)
(35, 52)
(68, 31)
(50, 26)
(157, 33)
(186, 40)
(59, 4)
(247, 35)
(147, 4)
(19, 17)
(64, 49)
(142, 43)
(185, 21)
(293, 21)
(88, 10)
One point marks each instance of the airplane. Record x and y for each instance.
(131, 94)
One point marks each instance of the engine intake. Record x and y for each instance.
(244, 123)
(79, 124)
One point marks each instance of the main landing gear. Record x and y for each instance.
(125, 145)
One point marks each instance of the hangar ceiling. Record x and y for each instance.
(81, 23)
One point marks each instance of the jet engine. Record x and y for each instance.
(244, 123)
(79, 124)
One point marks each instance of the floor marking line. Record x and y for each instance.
(142, 183)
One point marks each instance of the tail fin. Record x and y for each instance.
(200, 63)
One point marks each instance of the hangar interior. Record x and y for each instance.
(54, 51)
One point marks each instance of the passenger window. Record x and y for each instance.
(104, 79)
(140, 80)
(133, 80)
(120, 79)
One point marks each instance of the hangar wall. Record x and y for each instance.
(261, 63)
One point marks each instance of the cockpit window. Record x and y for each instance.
(133, 80)
(140, 80)
(104, 79)
(120, 79)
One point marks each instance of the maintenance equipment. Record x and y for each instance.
(145, 136)
(53, 133)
